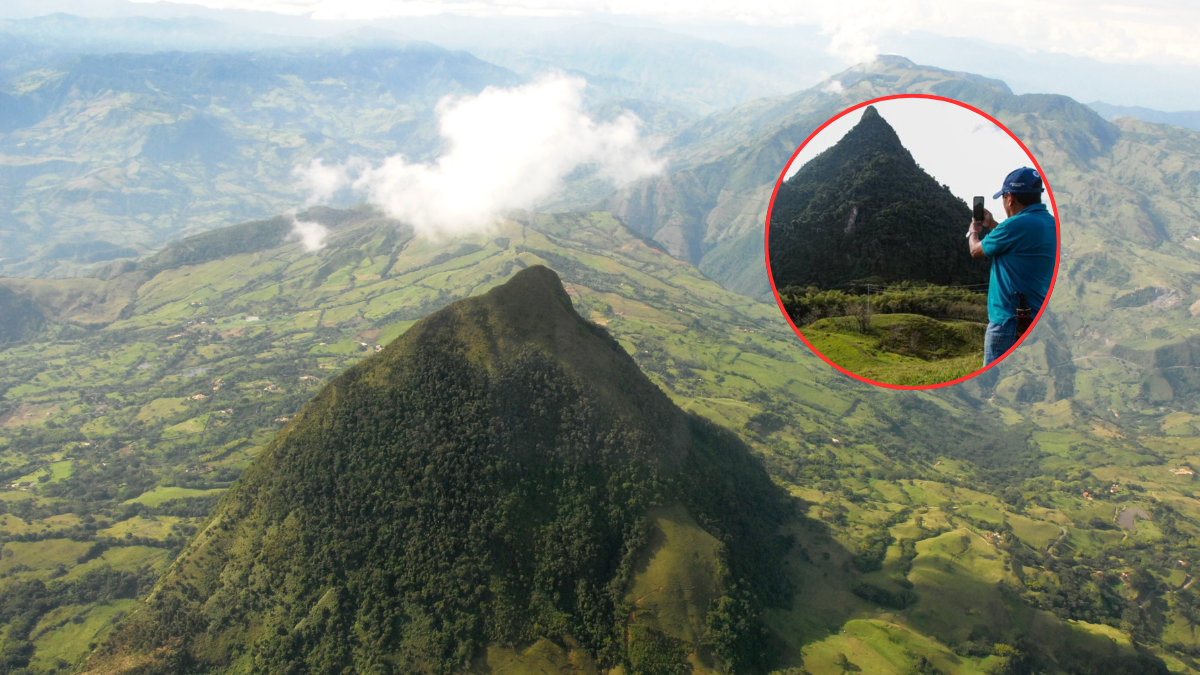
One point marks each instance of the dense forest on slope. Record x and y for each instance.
(484, 479)
(864, 209)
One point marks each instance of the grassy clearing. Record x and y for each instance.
(673, 586)
(907, 349)
(124, 558)
(153, 527)
(885, 648)
(42, 555)
(63, 635)
(161, 494)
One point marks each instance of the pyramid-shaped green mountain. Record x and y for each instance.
(490, 482)
(864, 210)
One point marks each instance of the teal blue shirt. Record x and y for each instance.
(1022, 250)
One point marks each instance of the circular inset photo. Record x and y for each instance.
(912, 241)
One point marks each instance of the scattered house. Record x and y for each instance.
(1114, 489)
(194, 304)
(1183, 471)
(270, 387)
(1087, 495)
(378, 348)
(216, 387)
(177, 335)
(283, 419)
(309, 377)
(198, 397)
(836, 440)
(252, 318)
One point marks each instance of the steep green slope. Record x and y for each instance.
(863, 209)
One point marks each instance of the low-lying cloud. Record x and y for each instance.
(311, 234)
(506, 149)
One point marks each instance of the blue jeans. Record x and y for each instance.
(1000, 337)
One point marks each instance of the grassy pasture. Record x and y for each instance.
(161, 494)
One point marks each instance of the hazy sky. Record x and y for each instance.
(956, 146)
(1153, 31)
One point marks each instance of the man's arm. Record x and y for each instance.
(975, 234)
(973, 241)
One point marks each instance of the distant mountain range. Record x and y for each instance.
(1188, 119)
(127, 151)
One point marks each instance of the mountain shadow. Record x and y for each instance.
(864, 209)
(491, 480)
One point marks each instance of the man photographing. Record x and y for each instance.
(1022, 249)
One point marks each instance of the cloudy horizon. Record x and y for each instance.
(1158, 32)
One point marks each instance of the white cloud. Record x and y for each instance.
(319, 183)
(311, 234)
(507, 149)
(834, 87)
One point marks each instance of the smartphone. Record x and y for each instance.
(978, 215)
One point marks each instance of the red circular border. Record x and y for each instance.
(1057, 241)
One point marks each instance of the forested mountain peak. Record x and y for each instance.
(864, 210)
(496, 477)
(872, 134)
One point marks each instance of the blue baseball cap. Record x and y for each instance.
(1023, 181)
